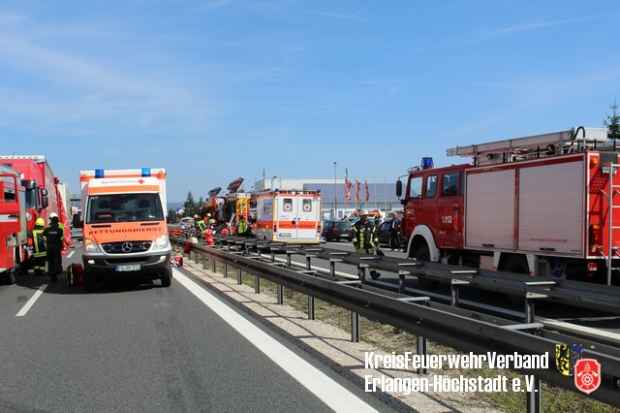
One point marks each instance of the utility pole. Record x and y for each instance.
(335, 191)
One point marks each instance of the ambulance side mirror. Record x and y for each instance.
(399, 188)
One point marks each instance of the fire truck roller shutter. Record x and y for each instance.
(425, 232)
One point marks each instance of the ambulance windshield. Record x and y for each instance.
(124, 208)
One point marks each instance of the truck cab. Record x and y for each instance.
(13, 231)
(433, 210)
(124, 225)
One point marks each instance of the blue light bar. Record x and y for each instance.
(99, 173)
(146, 172)
(427, 162)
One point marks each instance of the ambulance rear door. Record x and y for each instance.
(307, 217)
(287, 218)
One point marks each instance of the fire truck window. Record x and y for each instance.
(431, 186)
(450, 184)
(307, 205)
(415, 187)
(9, 189)
(287, 205)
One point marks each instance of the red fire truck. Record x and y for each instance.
(13, 234)
(546, 205)
(43, 192)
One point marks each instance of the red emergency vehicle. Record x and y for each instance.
(544, 205)
(42, 190)
(13, 233)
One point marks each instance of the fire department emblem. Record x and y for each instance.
(563, 359)
(587, 375)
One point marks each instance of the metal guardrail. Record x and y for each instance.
(576, 294)
(461, 329)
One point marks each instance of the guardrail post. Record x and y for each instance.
(239, 274)
(534, 397)
(213, 264)
(205, 261)
(332, 266)
(421, 349)
(311, 315)
(225, 270)
(355, 327)
(454, 292)
(257, 283)
(308, 262)
(280, 294)
(362, 272)
(401, 280)
(288, 258)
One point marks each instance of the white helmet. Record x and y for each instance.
(53, 215)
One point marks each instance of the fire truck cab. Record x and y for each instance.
(13, 230)
(545, 205)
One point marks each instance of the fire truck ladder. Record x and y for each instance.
(613, 190)
(533, 147)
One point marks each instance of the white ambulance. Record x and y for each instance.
(288, 216)
(125, 224)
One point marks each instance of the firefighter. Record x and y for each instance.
(242, 228)
(374, 237)
(39, 246)
(54, 238)
(209, 234)
(225, 230)
(361, 234)
(200, 224)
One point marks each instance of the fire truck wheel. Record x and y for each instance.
(90, 281)
(166, 278)
(422, 253)
(11, 277)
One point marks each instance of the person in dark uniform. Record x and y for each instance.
(54, 237)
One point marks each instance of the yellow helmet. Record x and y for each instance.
(40, 222)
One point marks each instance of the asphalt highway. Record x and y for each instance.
(145, 348)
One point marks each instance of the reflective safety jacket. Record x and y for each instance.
(38, 241)
(201, 225)
(243, 227)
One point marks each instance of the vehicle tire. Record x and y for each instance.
(10, 277)
(166, 278)
(90, 281)
(422, 254)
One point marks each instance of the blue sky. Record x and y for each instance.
(212, 90)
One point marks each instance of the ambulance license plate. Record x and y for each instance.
(128, 268)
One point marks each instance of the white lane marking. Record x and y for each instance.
(24, 310)
(69, 255)
(324, 387)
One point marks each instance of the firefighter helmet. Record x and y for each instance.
(40, 222)
(53, 215)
